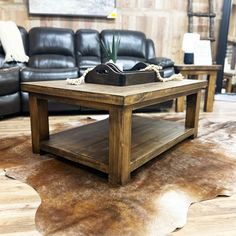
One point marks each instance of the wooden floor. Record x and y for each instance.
(19, 202)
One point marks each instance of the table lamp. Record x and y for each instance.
(188, 46)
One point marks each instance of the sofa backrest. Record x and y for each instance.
(150, 49)
(88, 48)
(132, 48)
(51, 47)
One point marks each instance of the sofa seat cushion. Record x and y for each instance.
(10, 104)
(86, 62)
(9, 81)
(51, 61)
(34, 74)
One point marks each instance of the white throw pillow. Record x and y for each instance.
(12, 43)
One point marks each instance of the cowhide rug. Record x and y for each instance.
(79, 201)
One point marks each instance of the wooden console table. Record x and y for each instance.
(196, 71)
(123, 142)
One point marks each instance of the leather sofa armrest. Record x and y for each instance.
(161, 61)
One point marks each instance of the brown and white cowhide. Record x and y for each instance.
(79, 201)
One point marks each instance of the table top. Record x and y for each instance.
(197, 67)
(117, 95)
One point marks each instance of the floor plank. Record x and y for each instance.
(18, 205)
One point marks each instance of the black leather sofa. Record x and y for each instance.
(59, 53)
(10, 95)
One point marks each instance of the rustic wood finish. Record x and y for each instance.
(192, 112)
(88, 145)
(120, 120)
(228, 78)
(39, 121)
(197, 71)
(18, 204)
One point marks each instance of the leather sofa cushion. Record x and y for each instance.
(9, 81)
(34, 74)
(87, 43)
(132, 43)
(88, 51)
(129, 62)
(51, 61)
(161, 61)
(50, 40)
(87, 62)
(10, 104)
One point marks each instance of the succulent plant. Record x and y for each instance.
(112, 50)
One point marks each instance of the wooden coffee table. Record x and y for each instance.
(121, 143)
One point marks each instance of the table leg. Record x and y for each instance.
(179, 104)
(120, 121)
(192, 112)
(228, 85)
(210, 92)
(39, 121)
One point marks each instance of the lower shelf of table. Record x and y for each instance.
(88, 144)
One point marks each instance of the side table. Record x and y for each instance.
(228, 79)
(197, 70)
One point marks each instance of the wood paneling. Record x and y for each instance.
(163, 21)
(232, 25)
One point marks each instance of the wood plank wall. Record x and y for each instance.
(163, 21)
(232, 25)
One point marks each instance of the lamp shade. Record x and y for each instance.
(189, 42)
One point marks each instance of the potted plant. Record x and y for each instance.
(111, 50)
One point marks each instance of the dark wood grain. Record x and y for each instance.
(120, 120)
(192, 112)
(112, 95)
(38, 121)
(90, 144)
